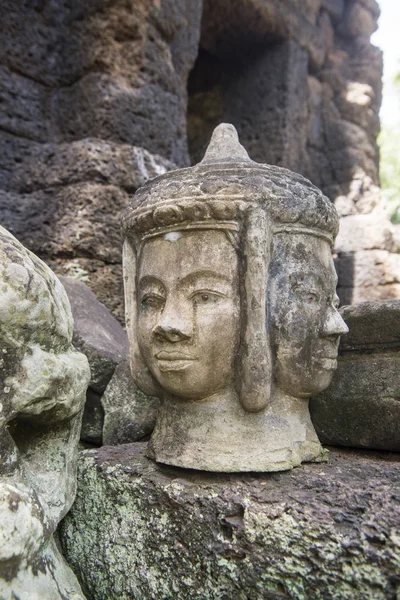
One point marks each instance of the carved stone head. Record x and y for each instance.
(231, 309)
(42, 392)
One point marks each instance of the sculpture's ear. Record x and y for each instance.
(140, 373)
(255, 352)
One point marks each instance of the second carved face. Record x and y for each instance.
(305, 325)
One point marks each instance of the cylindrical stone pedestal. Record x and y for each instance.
(148, 532)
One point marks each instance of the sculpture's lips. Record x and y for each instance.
(328, 362)
(174, 361)
(164, 355)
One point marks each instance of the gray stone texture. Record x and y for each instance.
(96, 333)
(325, 531)
(129, 414)
(93, 104)
(101, 338)
(64, 202)
(42, 393)
(361, 408)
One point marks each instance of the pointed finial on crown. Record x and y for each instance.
(224, 146)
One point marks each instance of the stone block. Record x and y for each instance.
(334, 8)
(141, 530)
(129, 414)
(76, 220)
(105, 280)
(227, 27)
(96, 333)
(358, 20)
(24, 106)
(369, 268)
(372, 231)
(113, 70)
(108, 107)
(14, 149)
(361, 408)
(65, 200)
(356, 103)
(90, 159)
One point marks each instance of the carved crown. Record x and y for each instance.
(222, 188)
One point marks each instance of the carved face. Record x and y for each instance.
(188, 311)
(305, 325)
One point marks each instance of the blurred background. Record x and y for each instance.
(387, 39)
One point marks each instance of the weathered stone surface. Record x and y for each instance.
(114, 71)
(334, 7)
(263, 94)
(366, 232)
(362, 406)
(64, 202)
(101, 338)
(96, 333)
(92, 419)
(222, 27)
(129, 414)
(233, 346)
(97, 71)
(42, 392)
(359, 19)
(88, 160)
(140, 530)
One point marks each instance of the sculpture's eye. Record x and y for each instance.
(312, 297)
(152, 301)
(205, 297)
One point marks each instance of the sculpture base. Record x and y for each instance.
(217, 434)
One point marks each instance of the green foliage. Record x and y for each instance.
(389, 141)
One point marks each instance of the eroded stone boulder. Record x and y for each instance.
(96, 333)
(42, 393)
(325, 531)
(101, 338)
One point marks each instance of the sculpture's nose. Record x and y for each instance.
(175, 323)
(333, 325)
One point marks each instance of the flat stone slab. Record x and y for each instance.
(322, 531)
(361, 407)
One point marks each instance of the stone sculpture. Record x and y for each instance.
(42, 395)
(231, 309)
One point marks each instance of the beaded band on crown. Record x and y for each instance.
(191, 214)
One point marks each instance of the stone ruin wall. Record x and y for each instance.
(96, 97)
